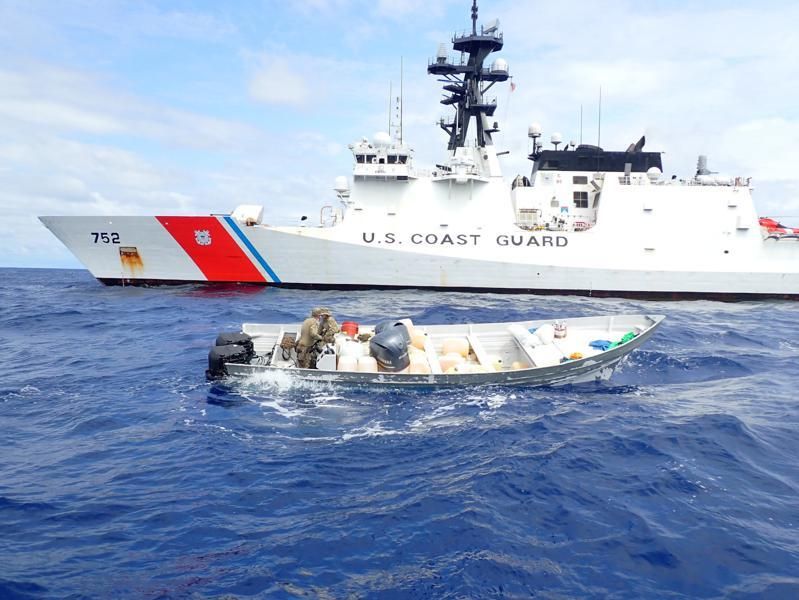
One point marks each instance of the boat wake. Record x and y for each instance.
(646, 367)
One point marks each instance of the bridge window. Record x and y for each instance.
(580, 199)
(580, 180)
(359, 158)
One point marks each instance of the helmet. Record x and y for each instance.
(316, 312)
(324, 311)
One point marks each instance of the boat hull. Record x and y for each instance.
(591, 293)
(589, 371)
(598, 367)
(216, 249)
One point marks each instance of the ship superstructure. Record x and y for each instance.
(586, 220)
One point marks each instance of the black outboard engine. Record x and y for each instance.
(230, 348)
(235, 337)
(390, 348)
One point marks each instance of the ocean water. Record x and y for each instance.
(124, 474)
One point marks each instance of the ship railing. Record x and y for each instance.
(447, 60)
(383, 169)
(734, 182)
(497, 35)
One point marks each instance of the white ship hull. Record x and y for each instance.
(153, 250)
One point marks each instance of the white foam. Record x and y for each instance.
(283, 411)
(368, 431)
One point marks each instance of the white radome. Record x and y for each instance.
(534, 130)
(381, 139)
(342, 184)
(499, 66)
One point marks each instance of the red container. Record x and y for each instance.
(350, 328)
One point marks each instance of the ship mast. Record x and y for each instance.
(464, 81)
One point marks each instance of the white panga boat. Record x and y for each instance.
(398, 353)
(586, 221)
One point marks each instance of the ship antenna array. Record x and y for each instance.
(401, 102)
(399, 107)
(599, 120)
(464, 82)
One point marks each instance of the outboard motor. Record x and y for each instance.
(390, 348)
(230, 348)
(235, 337)
(390, 325)
(219, 355)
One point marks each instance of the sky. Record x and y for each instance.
(139, 107)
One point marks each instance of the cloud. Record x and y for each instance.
(316, 82)
(121, 19)
(402, 9)
(51, 99)
(278, 81)
(58, 116)
(741, 141)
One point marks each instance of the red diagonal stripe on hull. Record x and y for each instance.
(222, 259)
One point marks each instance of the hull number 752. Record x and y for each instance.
(104, 237)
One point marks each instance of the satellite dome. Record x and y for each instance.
(654, 174)
(556, 138)
(382, 139)
(499, 66)
(534, 130)
(342, 184)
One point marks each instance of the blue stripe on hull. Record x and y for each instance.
(251, 248)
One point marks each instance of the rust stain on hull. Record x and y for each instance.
(130, 259)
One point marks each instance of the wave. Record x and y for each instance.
(677, 477)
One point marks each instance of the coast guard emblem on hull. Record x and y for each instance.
(202, 237)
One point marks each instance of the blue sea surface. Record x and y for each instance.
(124, 474)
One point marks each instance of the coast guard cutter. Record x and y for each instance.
(586, 220)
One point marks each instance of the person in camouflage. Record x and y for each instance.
(328, 327)
(309, 336)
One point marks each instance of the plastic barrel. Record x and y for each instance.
(350, 328)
